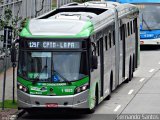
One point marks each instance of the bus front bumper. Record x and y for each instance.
(79, 100)
(150, 41)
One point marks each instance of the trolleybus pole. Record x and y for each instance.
(14, 66)
(5, 67)
(13, 60)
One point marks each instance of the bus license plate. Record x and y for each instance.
(51, 105)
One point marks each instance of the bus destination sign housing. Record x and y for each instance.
(53, 45)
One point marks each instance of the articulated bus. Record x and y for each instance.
(74, 57)
(150, 20)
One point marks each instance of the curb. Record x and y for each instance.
(17, 115)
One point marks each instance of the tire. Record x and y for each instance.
(91, 111)
(31, 112)
(108, 97)
(110, 88)
(130, 71)
(129, 75)
(133, 66)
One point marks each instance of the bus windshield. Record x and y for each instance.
(52, 66)
(149, 16)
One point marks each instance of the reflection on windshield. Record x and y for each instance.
(67, 64)
(52, 66)
(149, 13)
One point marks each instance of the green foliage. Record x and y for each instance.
(4, 20)
(9, 104)
(1, 1)
(8, 20)
(16, 28)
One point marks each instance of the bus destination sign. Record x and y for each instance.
(54, 45)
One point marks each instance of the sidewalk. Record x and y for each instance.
(9, 64)
(6, 114)
(9, 85)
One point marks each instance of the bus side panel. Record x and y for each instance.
(137, 43)
(94, 75)
(125, 49)
(107, 71)
(122, 54)
(109, 60)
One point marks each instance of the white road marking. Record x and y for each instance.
(130, 92)
(117, 108)
(142, 79)
(159, 63)
(151, 70)
(13, 117)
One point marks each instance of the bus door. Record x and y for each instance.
(123, 49)
(102, 66)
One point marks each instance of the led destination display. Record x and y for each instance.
(54, 45)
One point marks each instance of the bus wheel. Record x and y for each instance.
(31, 112)
(129, 76)
(110, 87)
(130, 70)
(108, 97)
(133, 66)
(90, 111)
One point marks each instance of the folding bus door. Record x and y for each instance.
(102, 66)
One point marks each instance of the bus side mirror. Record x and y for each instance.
(13, 54)
(94, 62)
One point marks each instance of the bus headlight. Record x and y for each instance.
(22, 88)
(82, 88)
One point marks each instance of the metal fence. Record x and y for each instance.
(26, 8)
(63, 2)
(23, 9)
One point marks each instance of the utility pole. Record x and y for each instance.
(13, 60)
(5, 66)
(6, 45)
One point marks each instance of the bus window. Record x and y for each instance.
(125, 27)
(121, 32)
(113, 37)
(98, 48)
(128, 27)
(134, 24)
(106, 43)
(131, 27)
(93, 48)
(110, 40)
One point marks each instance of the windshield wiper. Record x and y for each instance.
(37, 78)
(62, 77)
(143, 20)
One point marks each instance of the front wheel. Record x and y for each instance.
(130, 71)
(90, 111)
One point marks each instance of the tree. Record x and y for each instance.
(42, 6)
(8, 20)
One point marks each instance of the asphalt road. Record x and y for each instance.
(135, 99)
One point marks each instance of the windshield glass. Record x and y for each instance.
(52, 66)
(149, 16)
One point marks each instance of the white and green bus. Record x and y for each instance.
(74, 57)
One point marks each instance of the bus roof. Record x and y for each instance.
(138, 1)
(74, 20)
